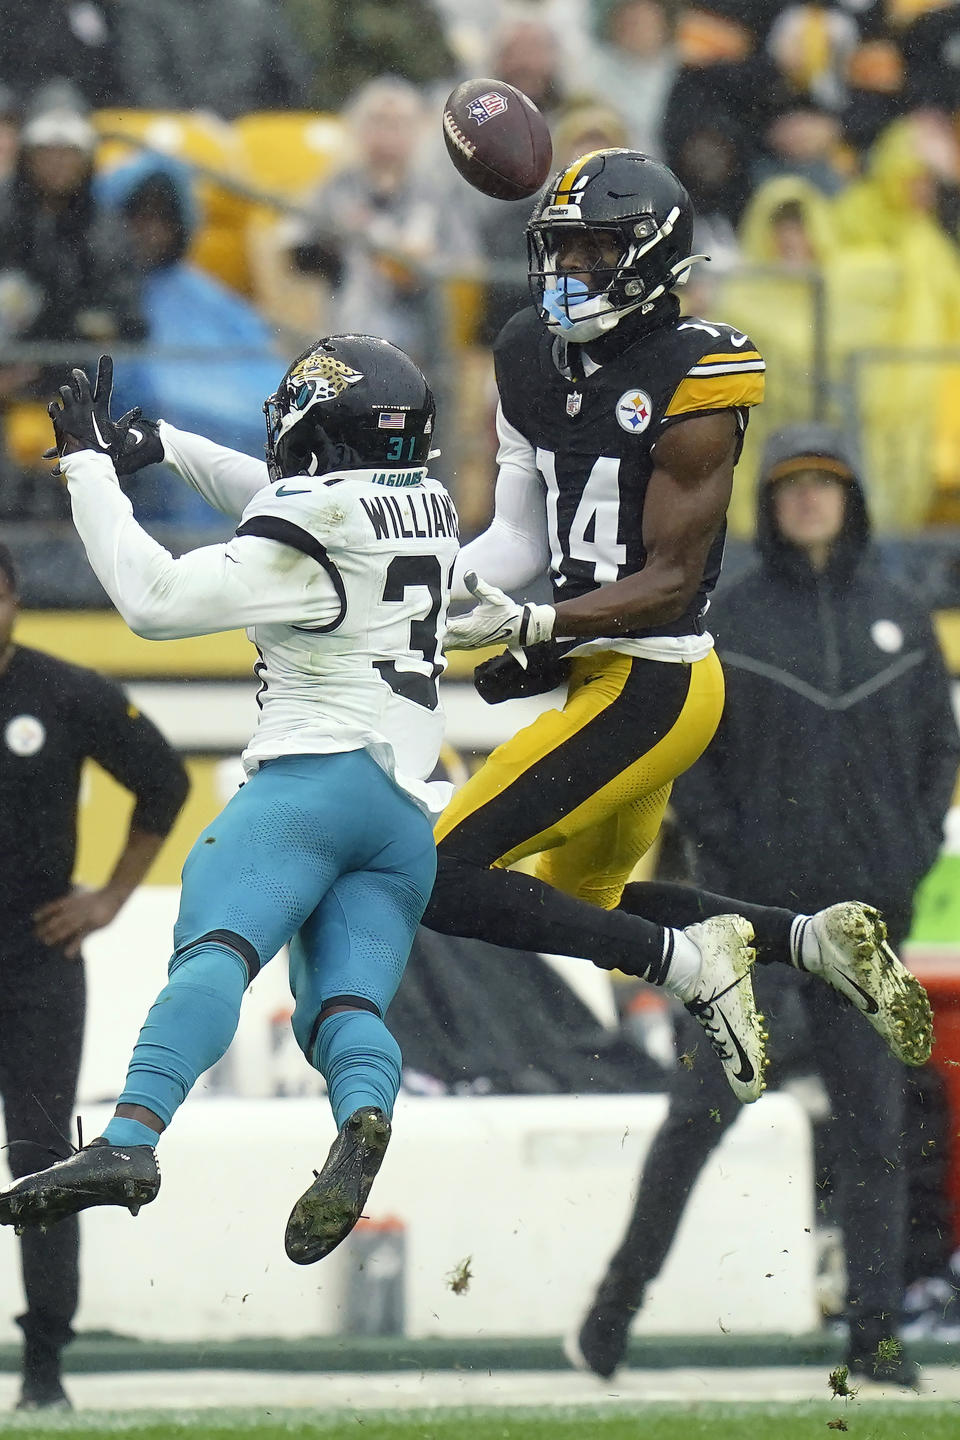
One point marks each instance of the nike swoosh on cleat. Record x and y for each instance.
(746, 1073)
(872, 1008)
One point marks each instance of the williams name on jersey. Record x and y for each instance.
(593, 429)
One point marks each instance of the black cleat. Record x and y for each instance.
(327, 1212)
(99, 1174)
(43, 1397)
(600, 1344)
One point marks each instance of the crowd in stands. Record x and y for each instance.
(201, 184)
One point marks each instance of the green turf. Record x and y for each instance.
(904, 1420)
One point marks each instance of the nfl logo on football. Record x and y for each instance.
(486, 106)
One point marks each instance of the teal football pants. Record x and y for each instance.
(324, 852)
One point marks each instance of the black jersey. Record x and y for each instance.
(593, 434)
(52, 717)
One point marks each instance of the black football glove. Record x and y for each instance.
(503, 678)
(84, 416)
(132, 442)
(138, 442)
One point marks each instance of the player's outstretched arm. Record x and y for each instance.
(514, 548)
(226, 479)
(686, 501)
(220, 587)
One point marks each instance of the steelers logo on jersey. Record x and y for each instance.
(25, 735)
(634, 411)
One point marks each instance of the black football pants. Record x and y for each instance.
(42, 1002)
(866, 1089)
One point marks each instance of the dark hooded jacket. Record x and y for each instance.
(75, 257)
(836, 757)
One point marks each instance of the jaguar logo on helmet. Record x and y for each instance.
(323, 378)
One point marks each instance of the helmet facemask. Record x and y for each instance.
(582, 310)
(294, 448)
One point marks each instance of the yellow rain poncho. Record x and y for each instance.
(806, 318)
(909, 403)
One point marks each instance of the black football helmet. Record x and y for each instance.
(618, 196)
(350, 402)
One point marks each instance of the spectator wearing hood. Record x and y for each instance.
(831, 772)
(219, 393)
(895, 216)
(65, 274)
(798, 277)
(717, 113)
(786, 240)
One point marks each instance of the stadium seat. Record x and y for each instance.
(197, 138)
(289, 152)
(27, 432)
(286, 154)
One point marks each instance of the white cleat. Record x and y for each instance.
(857, 961)
(724, 1005)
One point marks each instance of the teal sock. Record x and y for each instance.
(189, 1027)
(360, 1061)
(122, 1131)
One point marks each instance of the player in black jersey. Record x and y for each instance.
(52, 717)
(620, 424)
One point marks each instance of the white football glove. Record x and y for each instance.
(498, 620)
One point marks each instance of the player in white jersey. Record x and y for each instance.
(340, 568)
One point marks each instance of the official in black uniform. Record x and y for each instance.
(832, 770)
(620, 424)
(53, 716)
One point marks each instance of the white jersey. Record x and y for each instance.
(342, 582)
(367, 677)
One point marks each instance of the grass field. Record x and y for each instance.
(901, 1420)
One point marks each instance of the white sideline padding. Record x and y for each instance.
(535, 1190)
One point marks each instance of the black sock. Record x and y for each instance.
(682, 905)
(506, 907)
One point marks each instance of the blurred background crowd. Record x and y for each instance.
(203, 185)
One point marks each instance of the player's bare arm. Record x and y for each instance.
(686, 501)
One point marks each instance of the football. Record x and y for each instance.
(497, 139)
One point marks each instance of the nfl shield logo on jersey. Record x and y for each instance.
(486, 106)
(634, 411)
(574, 401)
